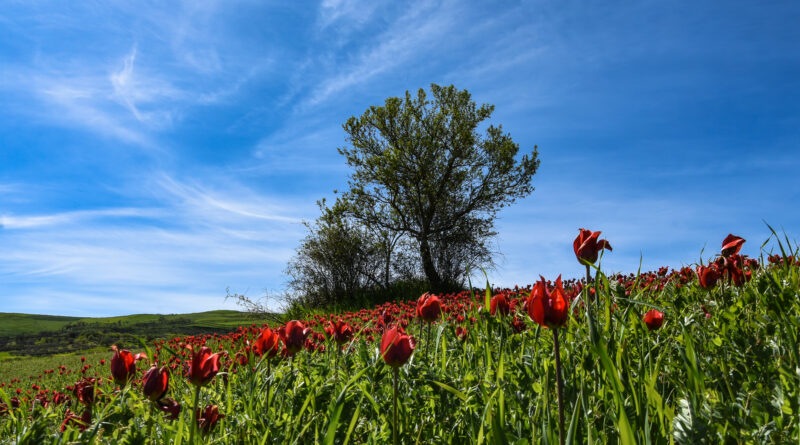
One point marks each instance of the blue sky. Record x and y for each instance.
(154, 153)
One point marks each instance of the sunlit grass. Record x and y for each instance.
(726, 377)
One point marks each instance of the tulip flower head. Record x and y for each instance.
(396, 347)
(208, 418)
(708, 276)
(548, 308)
(123, 365)
(429, 307)
(499, 303)
(73, 420)
(462, 333)
(653, 319)
(84, 391)
(731, 245)
(170, 407)
(156, 383)
(268, 342)
(294, 336)
(518, 325)
(340, 331)
(587, 246)
(203, 367)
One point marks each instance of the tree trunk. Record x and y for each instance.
(386, 274)
(427, 265)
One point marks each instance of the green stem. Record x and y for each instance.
(588, 280)
(193, 426)
(269, 380)
(428, 342)
(560, 387)
(589, 309)
(394, 427)
(336, 365)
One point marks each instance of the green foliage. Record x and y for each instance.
(728, 378)
(38, 335)
(421, 169)
(302, 308)
(340, 262)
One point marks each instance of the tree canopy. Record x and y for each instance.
(422, 169)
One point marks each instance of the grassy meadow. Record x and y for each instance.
(722, 368)
(26, 335)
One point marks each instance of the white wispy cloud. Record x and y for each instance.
(420, 29)
(81, 102)
(202, 201)
(352, 12)
(33, 221)
(151, 100)
(197, 242)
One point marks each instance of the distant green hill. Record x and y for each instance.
(15, 324)
(32, 334)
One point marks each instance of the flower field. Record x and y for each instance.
(707, 353)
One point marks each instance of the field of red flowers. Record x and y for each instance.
(702, 354)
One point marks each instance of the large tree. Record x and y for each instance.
(422, 169)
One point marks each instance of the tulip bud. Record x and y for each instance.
(156, 383)
(429, 307)
(294, 336)
(208, 418)
(548, 308)
(396, 347)
(203, 367)
(653, 319)
(499, 303)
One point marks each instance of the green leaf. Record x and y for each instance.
(451, 390)
(333, 421)
(487, 302)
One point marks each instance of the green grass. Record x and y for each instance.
(728, 378)
(37, 335)
(28, 369)
(15, 324)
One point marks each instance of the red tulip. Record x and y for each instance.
(268, 342)
(587, 246)
(208, 418)
(731, 245)
(461, 333)
(156, 383)
(294, 336)
(732, 268)
(653, 319)
(203, 367)
(518, 325)
(708, 276)
(80, 422)
(500, 303)
(548, 308)
(429, 307)
(84, 391)
(170, 407)
(123, 365)
(396, 347)
(341, 331)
